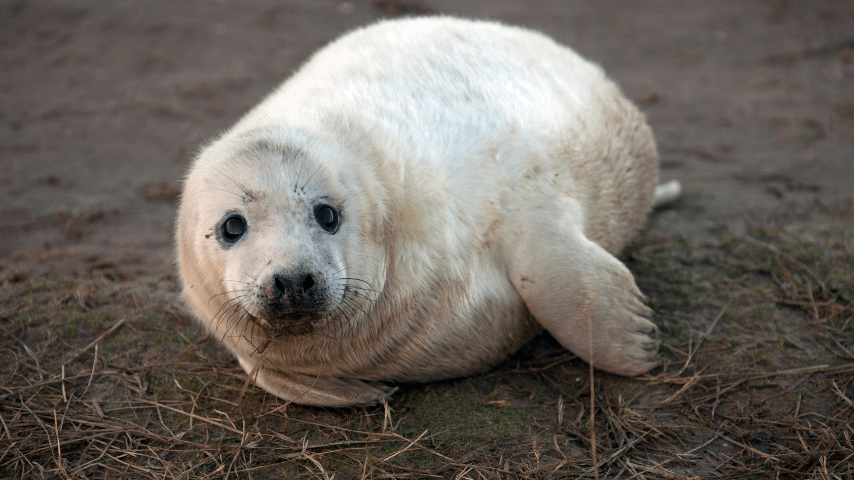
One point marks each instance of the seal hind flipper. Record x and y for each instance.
(571, 286)
(667, 193)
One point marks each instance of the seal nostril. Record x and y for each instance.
(307, 283)
(282, 284)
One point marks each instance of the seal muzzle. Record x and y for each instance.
(293, 301)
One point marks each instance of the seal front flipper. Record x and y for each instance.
(571, 286)
(320, 391)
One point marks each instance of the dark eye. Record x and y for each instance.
(232, 228)
(327, 217)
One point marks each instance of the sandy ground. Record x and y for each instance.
(102, 105)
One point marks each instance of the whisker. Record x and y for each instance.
(243, 189)
(316, 170)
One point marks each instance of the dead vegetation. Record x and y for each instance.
(108, 378)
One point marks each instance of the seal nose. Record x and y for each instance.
(298, 287)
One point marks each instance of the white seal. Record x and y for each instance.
(417, 201)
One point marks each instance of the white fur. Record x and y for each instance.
(486, 175)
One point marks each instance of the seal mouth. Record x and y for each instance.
(286, 324)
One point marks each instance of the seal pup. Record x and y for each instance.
(421, 198)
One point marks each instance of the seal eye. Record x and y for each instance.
(233, 228)
(327, 217)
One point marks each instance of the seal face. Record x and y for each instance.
(415, 203)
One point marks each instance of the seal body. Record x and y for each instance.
(417, 201)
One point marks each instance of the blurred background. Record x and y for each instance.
(104, 104)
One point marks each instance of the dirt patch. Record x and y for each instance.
(751, 273)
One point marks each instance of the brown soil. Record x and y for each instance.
(751, 273)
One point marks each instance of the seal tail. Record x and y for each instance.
(667, 193)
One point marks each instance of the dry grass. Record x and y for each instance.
(104, 378)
